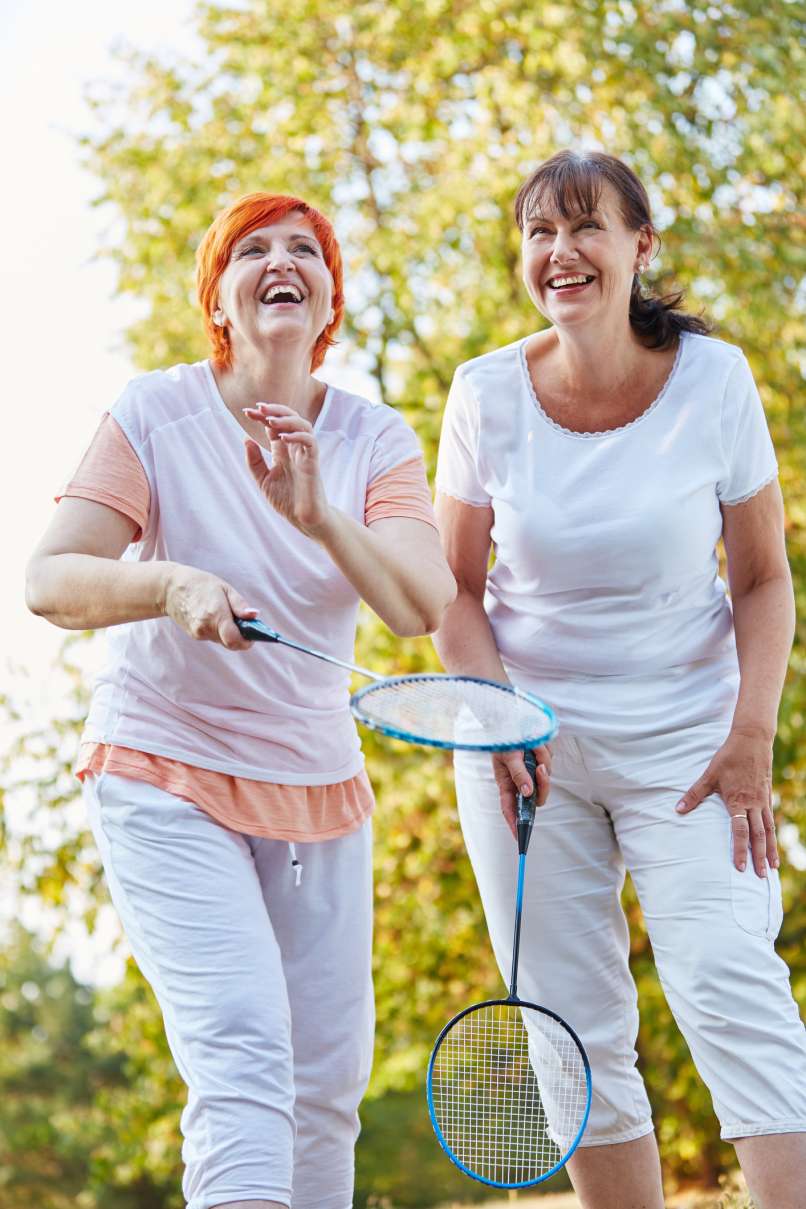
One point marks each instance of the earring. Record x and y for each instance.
(218, 319)
(331, 316)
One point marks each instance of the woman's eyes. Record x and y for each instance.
(545, 230)
(300, 247)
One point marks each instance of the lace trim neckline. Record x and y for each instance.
(603, 432)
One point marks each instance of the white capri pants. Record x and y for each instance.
(611, 808)
(265, 988)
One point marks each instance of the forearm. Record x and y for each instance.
(465, 642)
(764, 619)
(408, 589)
(85, 592)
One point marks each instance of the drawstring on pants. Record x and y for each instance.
(296, 864)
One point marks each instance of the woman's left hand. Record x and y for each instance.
(293, 484)
(741, 773)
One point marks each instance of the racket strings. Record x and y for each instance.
(454, 711)
(509, 1090)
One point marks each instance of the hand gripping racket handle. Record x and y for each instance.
(525, 806)
(255, 630)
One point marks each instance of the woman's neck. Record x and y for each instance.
(597, 362)
(277, 379)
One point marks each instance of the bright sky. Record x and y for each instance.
(62, 332)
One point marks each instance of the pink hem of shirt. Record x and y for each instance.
(294, 813)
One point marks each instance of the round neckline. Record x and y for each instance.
(603, 432)
(218, 400)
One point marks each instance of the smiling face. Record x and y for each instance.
(276, 288)
(579, 268)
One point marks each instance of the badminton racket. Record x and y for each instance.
(464, 712)
(508, 1084)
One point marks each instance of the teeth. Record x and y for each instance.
(580, 279)
(273, 291)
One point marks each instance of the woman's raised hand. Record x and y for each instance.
(292, 484)
(512, 778)
(204, 606)
(741, 773)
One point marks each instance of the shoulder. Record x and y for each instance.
(490, 376)
(478, 372)
(152, 400)
(713, 361)
(356, 417)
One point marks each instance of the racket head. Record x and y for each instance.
(485, 1099)
(455, 712)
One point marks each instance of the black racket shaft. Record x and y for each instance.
(524, 821)
(255, 631)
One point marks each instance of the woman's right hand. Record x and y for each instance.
(205, 607)
(512, 779)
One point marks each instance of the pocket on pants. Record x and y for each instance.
(756, 901)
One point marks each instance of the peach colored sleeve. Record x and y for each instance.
(111, 473)
(402, 491)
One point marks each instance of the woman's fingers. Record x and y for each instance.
(768, 819)
(753, 835)
(228, 633)
(284, 420)
(512, 778)
(543, 784)
(740, 836)
(702, 788)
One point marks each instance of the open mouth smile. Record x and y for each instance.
(570, 283)
(283, 292)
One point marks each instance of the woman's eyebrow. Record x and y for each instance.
(256, 237)
(583, 214)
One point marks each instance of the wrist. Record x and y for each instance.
(753, 730)
(325, 530)
(166, 583)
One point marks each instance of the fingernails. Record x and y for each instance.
(525, 789)
(775, 862)
(681, 805)
(742, 866)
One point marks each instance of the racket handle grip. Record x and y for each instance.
(255, 630)
(525, 806)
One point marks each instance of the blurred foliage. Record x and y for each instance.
(412, 123)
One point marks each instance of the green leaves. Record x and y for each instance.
(412, 124)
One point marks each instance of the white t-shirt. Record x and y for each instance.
(605, 596)
(270, 713)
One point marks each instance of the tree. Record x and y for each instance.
(412, 124)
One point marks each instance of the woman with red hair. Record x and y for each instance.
(226, 789)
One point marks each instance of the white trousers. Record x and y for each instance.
(611, 808)
(265, 988)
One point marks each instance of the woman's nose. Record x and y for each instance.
(564, 248)
(278, 257)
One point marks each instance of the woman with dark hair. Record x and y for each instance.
(602, 459)
(226, 789)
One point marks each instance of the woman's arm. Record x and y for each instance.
(396, 564)
(75, 580)
(465, 641)
(763, 606)
(764, 620)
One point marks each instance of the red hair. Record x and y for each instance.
(212, 257)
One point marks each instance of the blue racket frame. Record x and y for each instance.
(409, 737)
(519, 1003)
